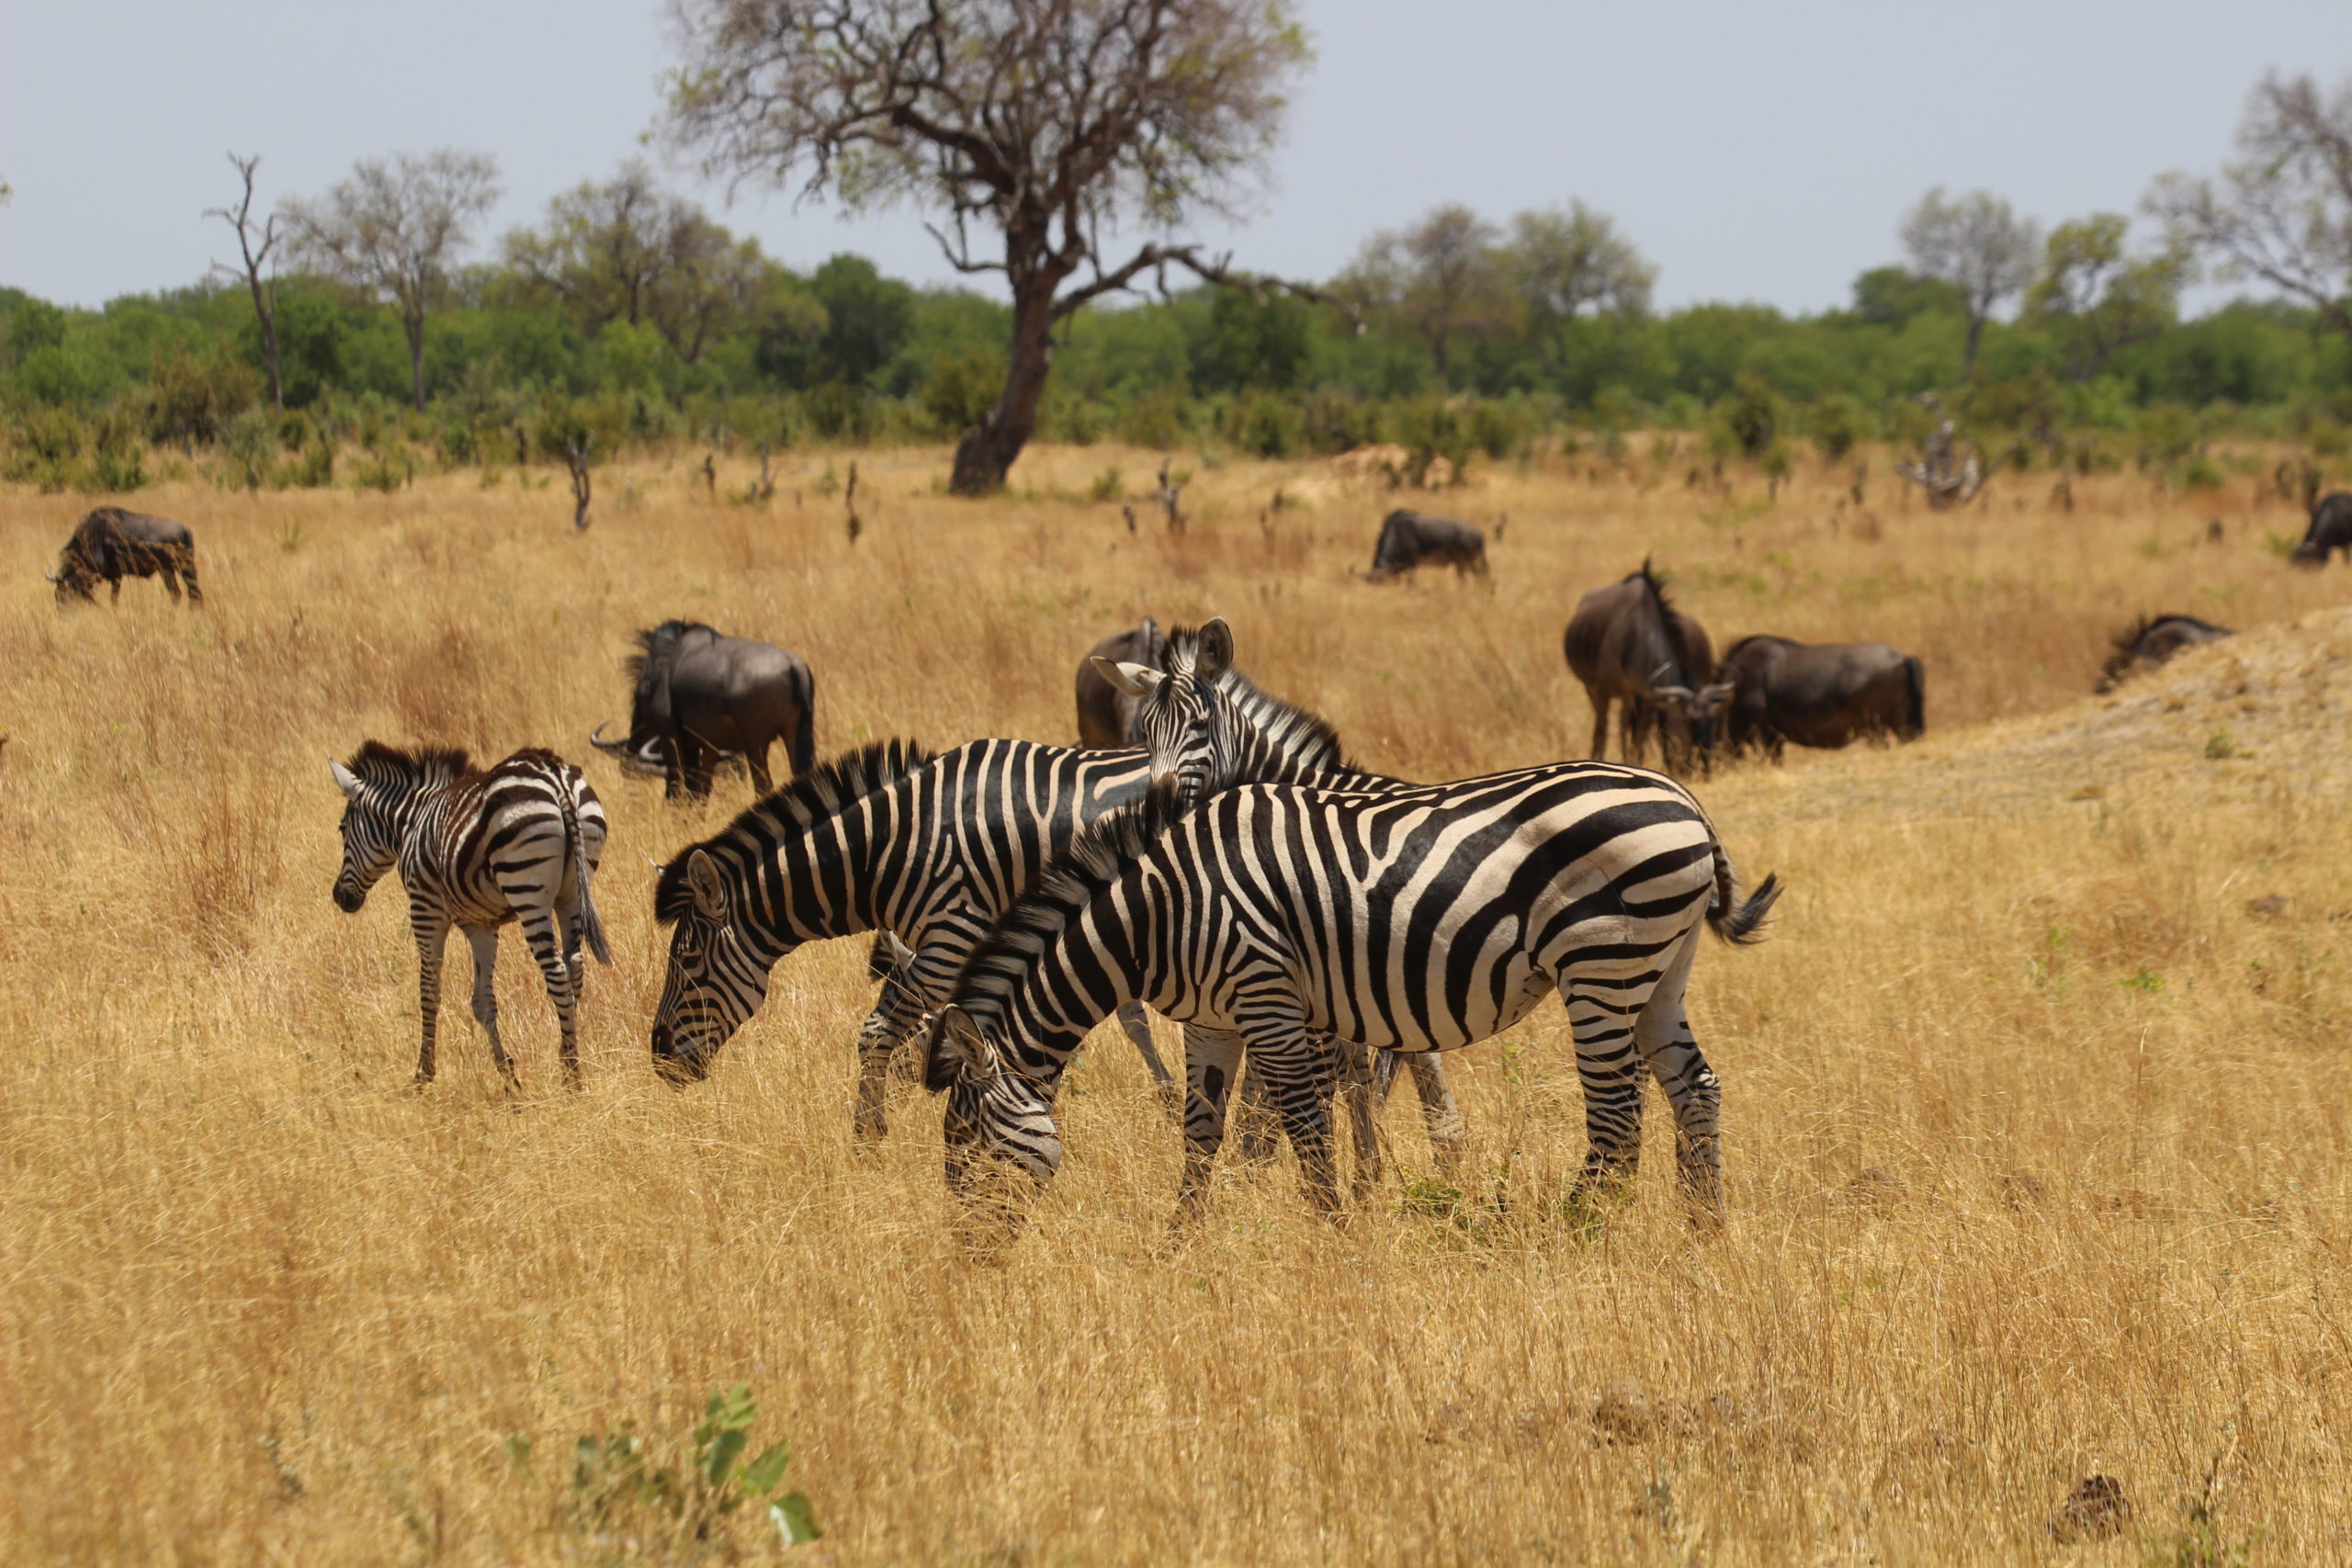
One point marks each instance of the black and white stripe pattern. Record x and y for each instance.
(520, 842)
(1419, 919)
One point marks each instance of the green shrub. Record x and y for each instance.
(249, 446)
(192, 398)
(118, 456)
(839, 412)
(963, 386)
(1751, 415)
(1263, 425)
(1835, 424)
(2165, 432)
(2201, 474)
(1159, 418)
(45, 448)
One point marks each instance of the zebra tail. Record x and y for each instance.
(1740, 924)
(591, 926)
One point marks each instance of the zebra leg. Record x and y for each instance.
(1441, 1115)
(1358, 1087)
(540, 931)
(1137, 1023)
(1610, 1067)
(906, 995)
(1257, 1130)
(1298, 1071)
(432, 929)
(483, 940)
(1211, 1056)
(1663, 1032)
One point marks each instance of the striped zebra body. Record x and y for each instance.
(1208, 728)
(1420, 919)
(519, 841)
(931, 849)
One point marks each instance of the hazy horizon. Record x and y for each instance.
(1749, 157)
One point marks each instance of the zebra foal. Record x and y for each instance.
(1415, 919)
(517, 842)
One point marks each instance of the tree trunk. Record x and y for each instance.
(268, 317)
(1968, 355)
(414, 327)
(987, 451)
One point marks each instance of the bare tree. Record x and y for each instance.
(257, 257)
(394, 227)
(2095, 298)
(2282, 211)
(1563, 264)
(1050, 121)
(1977, 243)
(626, 251)
(1442, 279)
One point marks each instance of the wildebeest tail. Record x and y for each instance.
(1736, 922)
(803, 733)
(1914, 706)
(592, 925)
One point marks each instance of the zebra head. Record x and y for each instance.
(1000, 1121)
(1185, 719)
(372, 839)
(714, 982)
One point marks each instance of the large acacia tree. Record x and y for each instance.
(1052, 122)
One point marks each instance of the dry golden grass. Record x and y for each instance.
(2036, 1103)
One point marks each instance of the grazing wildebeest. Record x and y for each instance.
(702, 697)
(113, 543)
(2150, 641)
(1824, 695)
(1409, 539)
(1106, 716)
(2330, 529)
(1627, 642)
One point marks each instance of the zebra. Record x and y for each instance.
(519, 841)
(1205, 726)
(1420, 919)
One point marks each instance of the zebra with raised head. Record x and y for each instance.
(518, 842)
(1419, 919)
(1205, 726)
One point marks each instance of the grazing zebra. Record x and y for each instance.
(1419, 919)
(1204, 725)
(476, 849)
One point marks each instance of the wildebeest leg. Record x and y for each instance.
(1600, 725)
(1137, 1023)
(187, 570)
(1663, 1032)
(697, 762)
(1211, 1057)
(432, 931)
(171, 584)
(484, 940)
(541, 931)
(1441, 1115)
(756, 760)
(116, 598)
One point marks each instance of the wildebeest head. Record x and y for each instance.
(77, 573)
(651, 714)
(1181, 720)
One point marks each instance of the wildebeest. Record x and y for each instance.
(1826, 694)
(702, 697)
(1106, 716)
(2330, 529)
(1628, 642)
(2151, 640)
(1409, 540)
(113, 543)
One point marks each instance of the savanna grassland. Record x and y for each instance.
(2036, 1101)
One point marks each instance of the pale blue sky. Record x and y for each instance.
(1753, 152)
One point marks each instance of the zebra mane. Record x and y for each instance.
(823, 791)
(388, 767)
(1293, 730)
(657, 642)
(1097, 857)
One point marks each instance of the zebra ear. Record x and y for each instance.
(1213, 656)
(703, 881)
(1128, 679)
(956, 1048)
(344, 779)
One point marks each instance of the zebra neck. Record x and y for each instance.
(829, 876)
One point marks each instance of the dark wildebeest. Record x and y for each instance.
(1822, 695)
(2150, 641)
(1409, 539)
(113, 544)
(702, 697)
(1106, 717)
(2330, 529)
(1627, 642)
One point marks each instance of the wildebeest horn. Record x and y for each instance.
(51, 577)
(597, 739)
